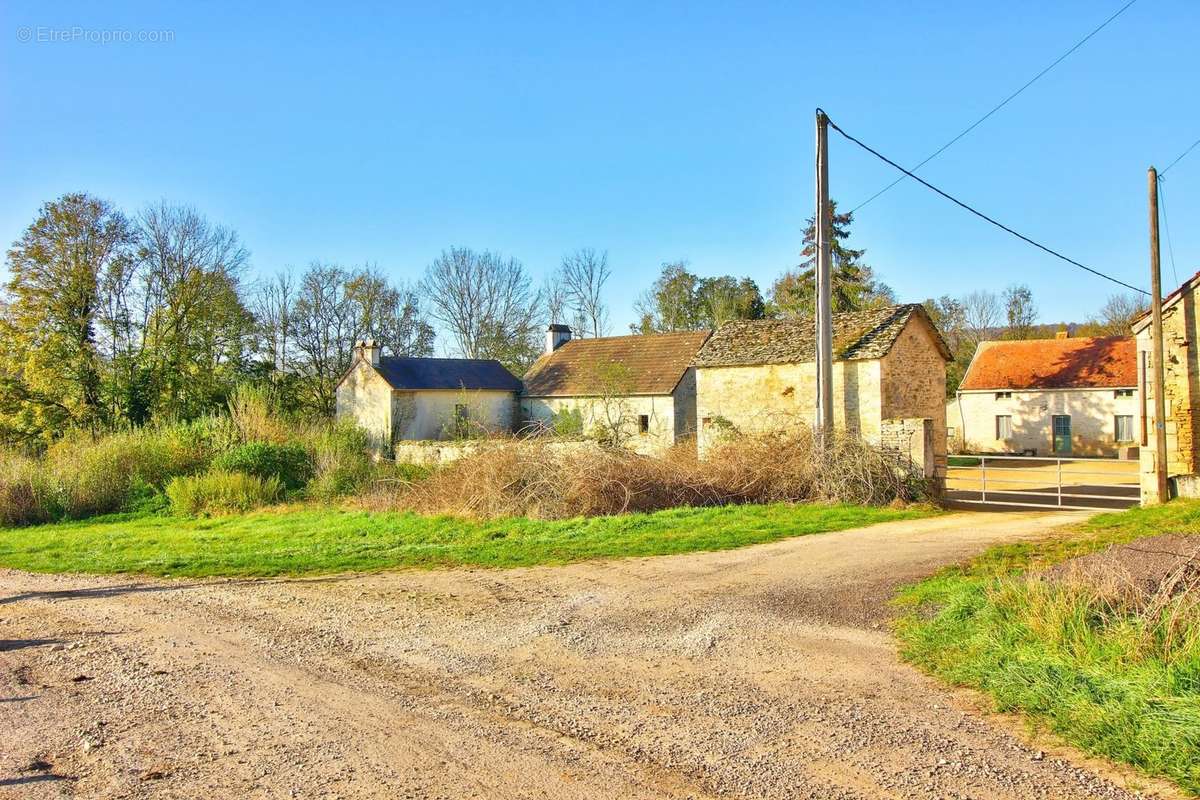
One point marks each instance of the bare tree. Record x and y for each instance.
(487, 304)
(583, 275)
(1119, 312)
(272, 307)
(981, 315)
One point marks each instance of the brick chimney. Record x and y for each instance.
(369, 350)
(556, 336)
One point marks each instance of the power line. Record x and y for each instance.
(1001, 105)
(980, 214)
(1162, 204)
(1179, 158)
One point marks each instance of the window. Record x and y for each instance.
(643, 423)
(1003, 427)
(1003, 395)
(1123, 393)
(1123, 425)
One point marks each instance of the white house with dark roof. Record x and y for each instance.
(396, 399)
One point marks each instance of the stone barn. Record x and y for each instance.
(640, 390)
(397, 399)
(1181, 395)
(889, 373)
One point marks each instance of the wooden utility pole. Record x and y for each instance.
(1157, 349)
(824, 406)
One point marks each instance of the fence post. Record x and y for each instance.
(1059, 483)
(983, 471)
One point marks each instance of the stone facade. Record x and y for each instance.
(1181, 379)
(907, 382)
(912, 441)
(1093, 414)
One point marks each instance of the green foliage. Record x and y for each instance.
(567, 422)
(219, 492)
(325, 540)
(680, 300)
(291, 464)
(853, 284)
(1116, 680)
(342, 463)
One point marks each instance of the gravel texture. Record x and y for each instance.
(765, 672)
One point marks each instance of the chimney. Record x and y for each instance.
(556, 336)
(370, 350)
(1063, 334)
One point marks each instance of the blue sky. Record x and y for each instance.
(384, 133)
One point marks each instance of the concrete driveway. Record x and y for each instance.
(765, 672)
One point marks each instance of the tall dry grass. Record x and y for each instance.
(542, 479)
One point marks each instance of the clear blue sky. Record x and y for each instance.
(385, 133)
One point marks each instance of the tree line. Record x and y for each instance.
(111, 320)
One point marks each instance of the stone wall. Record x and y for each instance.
(433, 453)
(913, 382)
(912, 441)
(769, 397)
(1181, 379)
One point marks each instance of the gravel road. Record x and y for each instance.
(764, 672)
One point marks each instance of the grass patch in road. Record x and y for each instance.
(309, 540)
(1115, 680)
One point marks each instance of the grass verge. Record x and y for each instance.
(1113, 680)
(308, 540)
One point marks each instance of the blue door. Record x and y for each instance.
(1062, 433)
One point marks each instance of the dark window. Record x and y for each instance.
(1003, 395)
(643, 423)
(1123, 393)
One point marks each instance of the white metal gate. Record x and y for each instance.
(1102, 484)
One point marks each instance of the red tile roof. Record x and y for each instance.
(1084, 363)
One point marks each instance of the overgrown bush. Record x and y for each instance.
(27, 494)
(342, 464)
(290, 463)
(220, 492)
(553, 480)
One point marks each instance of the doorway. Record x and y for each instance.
(1062, 433)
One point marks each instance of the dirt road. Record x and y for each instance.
(763, 672)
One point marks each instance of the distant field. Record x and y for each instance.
(308, 540)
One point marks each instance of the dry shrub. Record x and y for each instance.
(545, 479)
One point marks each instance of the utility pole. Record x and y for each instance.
(824, 405)
(1156, 349)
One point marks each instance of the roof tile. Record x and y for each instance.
(655, 363)
(1082, 363)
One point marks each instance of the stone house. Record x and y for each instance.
(395, 399)
(1181, 384)
(889, 375)
(1062, 396)
(640, 390)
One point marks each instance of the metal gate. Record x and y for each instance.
(1101, 484)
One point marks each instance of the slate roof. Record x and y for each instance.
(655, 363)
(447, 373)
(857, 336)
(1083, 363)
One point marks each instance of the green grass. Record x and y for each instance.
(963, 461)
(310, 540)
(1113, 680)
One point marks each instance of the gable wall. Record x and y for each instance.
(914, 382)
(366, 398)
